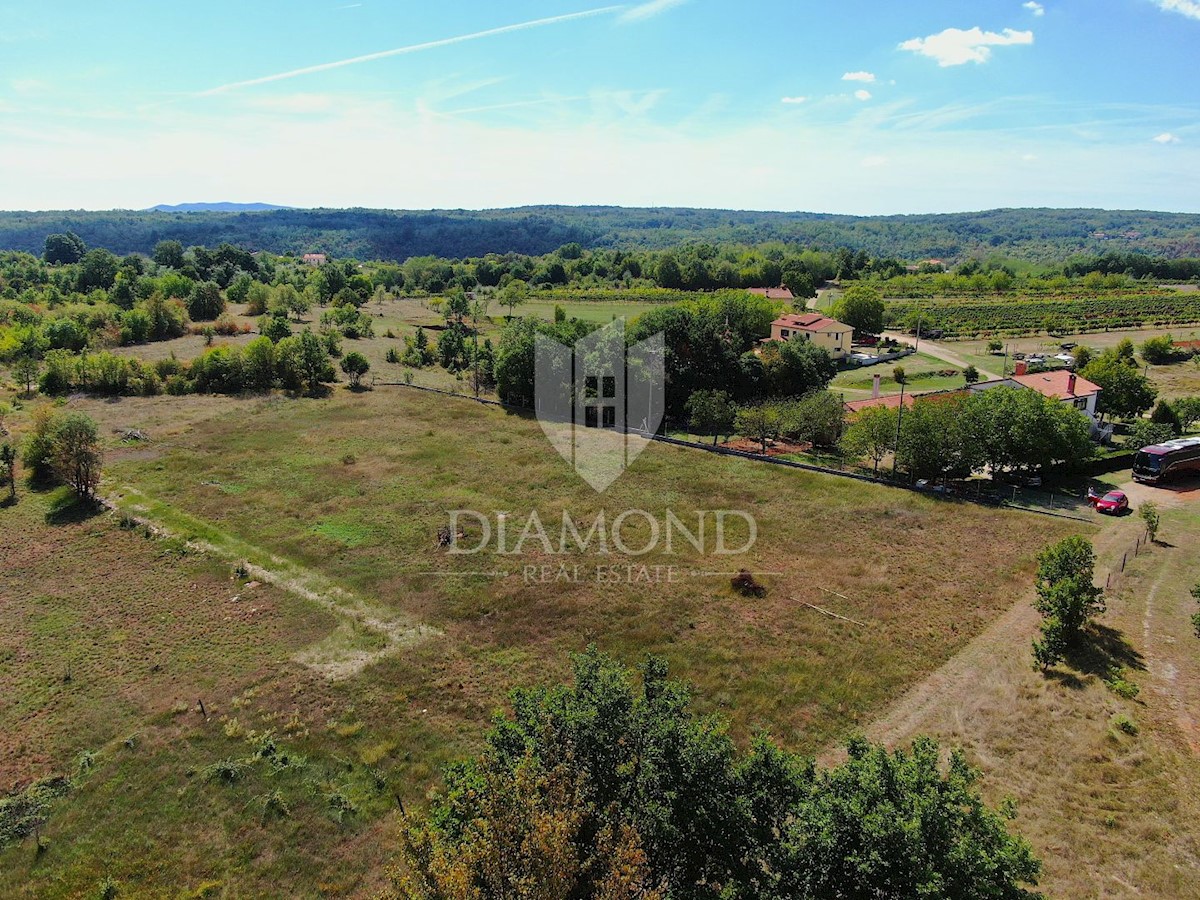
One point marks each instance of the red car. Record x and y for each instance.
(1114, 502)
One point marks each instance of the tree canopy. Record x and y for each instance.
(613, 787)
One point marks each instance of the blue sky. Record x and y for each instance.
(850, 106)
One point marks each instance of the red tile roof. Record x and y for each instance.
(810, 322)
(1058, 385)
(779, 293)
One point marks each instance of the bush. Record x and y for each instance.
(1159, 351)
(1124, 724)
(355, 365)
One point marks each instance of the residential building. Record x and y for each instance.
(779, 293)
(1059, 384)
(834, 336)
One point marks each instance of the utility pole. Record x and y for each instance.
(917, 346)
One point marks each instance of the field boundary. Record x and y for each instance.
(365, 633)
(742, 454)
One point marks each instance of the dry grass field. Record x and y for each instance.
(339, 502)
(1111, 814)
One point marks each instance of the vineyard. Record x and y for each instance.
(1009, 318)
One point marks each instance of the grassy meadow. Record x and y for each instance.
(371, 656)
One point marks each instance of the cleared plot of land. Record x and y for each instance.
(354, 488)
(358, 486)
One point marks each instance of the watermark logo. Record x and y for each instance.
(599, 402)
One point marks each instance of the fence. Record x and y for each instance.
(1114, 578)
(1060, 505)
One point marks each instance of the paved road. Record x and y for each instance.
(940, 352)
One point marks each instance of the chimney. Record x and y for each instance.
(875, 386)
(1020, 368)
(1071, 385)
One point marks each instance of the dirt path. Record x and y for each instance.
(940, 352)
(366, 632)
(1111, 814)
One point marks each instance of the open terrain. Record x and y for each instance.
(334, 506)
(1112, 814)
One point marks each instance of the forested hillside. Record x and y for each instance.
(1036, 235)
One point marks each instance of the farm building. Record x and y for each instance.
(315, 259)
(834, 336)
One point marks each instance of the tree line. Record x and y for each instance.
(1044, 236)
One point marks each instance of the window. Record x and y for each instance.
(610, 387)
(783, 333)
(591, 386)
(610, 416)
(590, 417)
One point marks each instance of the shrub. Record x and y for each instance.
(1124, 724)
(1160, 350)
(228, 771)
(1149, 514)
(1116, 682)
(355, 365)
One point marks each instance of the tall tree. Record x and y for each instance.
(711, 412)
(76, 453)
(861, 307)
(1124, 391)
(63, 248)
(872, 433)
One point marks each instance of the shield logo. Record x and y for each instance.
(599, 401)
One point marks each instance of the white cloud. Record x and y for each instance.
(862, 95)
(649, 10)
(792, 99)
(1029, 157)
(866, 77)
(1034, 7)
(1189, 8)
(954, 46)
(874, 162)
(1166, 138)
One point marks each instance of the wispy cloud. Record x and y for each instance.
(793, 99)
(1189, 8)
(649, 10)
(412, 48)
(1166, 138)
(862, 95)
(867, 77)
(955, 46)
(1034, 7)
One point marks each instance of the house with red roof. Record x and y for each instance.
(779, 293)
(1060, 384)
(834, 336)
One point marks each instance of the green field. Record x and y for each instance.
(376, 673)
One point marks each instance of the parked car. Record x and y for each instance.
(1018, 356)
(1036, 360)
(1113, 503)
(1066, 359)
(868, 340)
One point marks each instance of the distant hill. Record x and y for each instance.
(215, 207)
(1036, 235)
